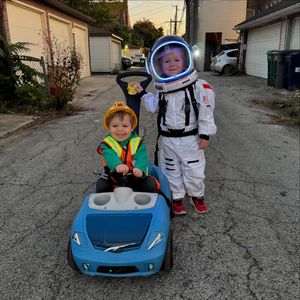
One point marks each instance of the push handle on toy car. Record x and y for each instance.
(133, 99)
(124, 84)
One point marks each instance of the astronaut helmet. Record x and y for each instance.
(170, 62)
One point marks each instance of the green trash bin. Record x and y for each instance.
(271, 67)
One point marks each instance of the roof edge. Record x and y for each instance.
(67, 10)
(268, 18)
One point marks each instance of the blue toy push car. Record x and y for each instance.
(123, 233)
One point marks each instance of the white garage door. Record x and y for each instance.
(260, 41)
(295, 38)
(27, 28)
(100, 54)
(116, 55)
(81, 43)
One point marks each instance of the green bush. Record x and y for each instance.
(19, 83)
(20, 88)
(33, 99)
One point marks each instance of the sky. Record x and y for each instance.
(159, 12)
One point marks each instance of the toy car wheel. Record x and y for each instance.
(168, 260)
(70, 258)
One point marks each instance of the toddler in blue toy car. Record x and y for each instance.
(124, 153)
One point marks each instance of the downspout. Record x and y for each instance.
(195, 39)
(280, 34)
(195, 22)
(188, 21)
(288, 33)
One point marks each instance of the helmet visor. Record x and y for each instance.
(171, 60)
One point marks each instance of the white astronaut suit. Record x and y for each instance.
(181, 159)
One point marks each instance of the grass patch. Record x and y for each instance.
(289, 105)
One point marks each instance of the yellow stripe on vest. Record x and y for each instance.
(113, 144)
(134, 144)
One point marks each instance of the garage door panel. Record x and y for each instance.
(100, 54)
(259, 42)
(28, 28)
(116, 55)
(61, 31)
(82, 47)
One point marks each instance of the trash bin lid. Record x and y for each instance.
(291, 53)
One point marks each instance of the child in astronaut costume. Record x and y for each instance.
(185, 108)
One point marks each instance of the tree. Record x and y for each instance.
(109, 16)
(124, 32)
(106, 14)
(147, 31)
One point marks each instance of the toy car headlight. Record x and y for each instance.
(76, 238)
(158, 238)
(79, 239)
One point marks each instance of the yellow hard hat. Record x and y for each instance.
(119, 106)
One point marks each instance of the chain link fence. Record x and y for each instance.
(38, 64)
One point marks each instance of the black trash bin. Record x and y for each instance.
(291, 70)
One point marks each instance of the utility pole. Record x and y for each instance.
(175, 25)
(175, 22)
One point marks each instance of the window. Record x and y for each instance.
(232, 54)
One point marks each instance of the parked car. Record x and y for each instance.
(225, 62)
(126, 62)
(139, 60)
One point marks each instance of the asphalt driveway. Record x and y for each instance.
(245, 247)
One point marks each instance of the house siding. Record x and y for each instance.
(222, 16)
(218, 16)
